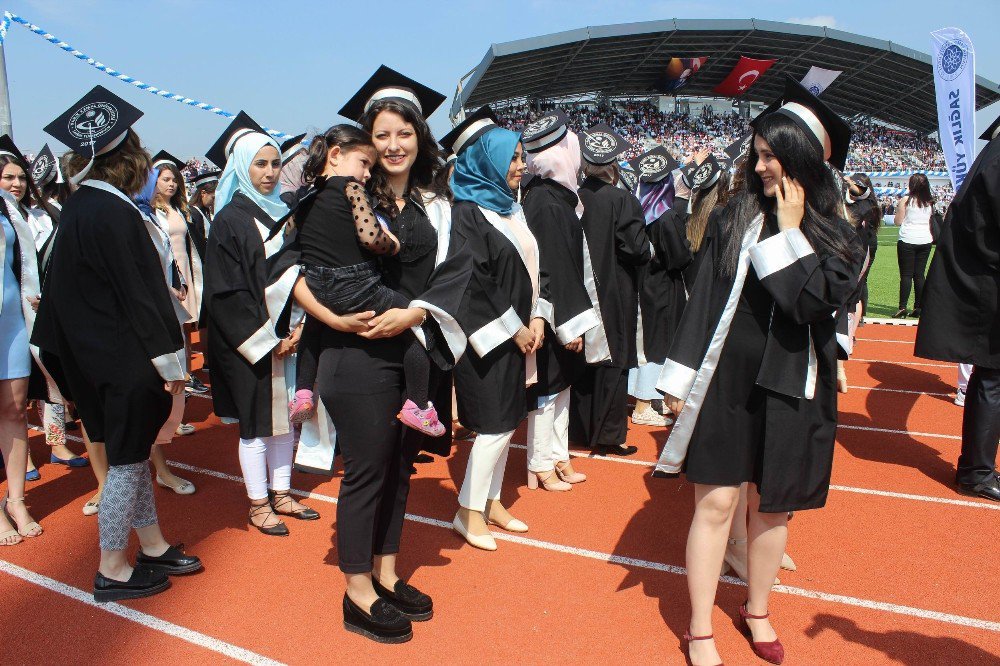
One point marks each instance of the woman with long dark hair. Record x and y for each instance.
(752, 371)
(107, 317)
(913, 217)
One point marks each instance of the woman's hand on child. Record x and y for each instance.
(393, 322)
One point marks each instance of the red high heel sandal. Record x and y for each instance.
(772, 652)
(688, 637)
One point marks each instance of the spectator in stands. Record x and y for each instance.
(913, 217)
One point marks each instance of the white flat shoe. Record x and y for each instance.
(91, 507)
(183, 488)
(514, 525)
(485, 541)
(788, 563)
(651, 417)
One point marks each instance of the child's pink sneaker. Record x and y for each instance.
(300, 409)
(424, 420)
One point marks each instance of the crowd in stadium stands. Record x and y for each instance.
(874, 147)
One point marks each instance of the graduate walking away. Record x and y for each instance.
(248, 285)
(108, 321)
(617, 248)
(752, 371)
(961, 315)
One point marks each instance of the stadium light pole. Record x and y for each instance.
(5, 123)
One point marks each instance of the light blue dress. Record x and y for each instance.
(15, 359)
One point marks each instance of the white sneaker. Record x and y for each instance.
(960, 398)
(650, 418)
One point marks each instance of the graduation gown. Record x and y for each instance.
(662, 292)
(960, 321)
(550, 210)
(106, 323)
(756, 355)
(617, 246)
(486, 284)
(248, 283)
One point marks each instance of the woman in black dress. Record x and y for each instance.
(752, 371)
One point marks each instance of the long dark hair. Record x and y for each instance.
(345, 137)
(194, 201)
(428, 162)
(177, 201)
(920, 191)
(823, 225)
(32, 197)
(871, 212)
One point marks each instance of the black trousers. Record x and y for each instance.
(361, 384)
(980, 426)
(912, 261)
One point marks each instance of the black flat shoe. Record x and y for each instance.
(900, 314)
(172, 562)
(385, 624)
(279, 500)
(408, 600)
(915, 313)
(144, 582)
(988, 488)
(261, 509)
(423, 458)
(619, 450)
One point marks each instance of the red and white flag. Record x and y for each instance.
(744, 75)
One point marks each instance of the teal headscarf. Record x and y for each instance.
(481, 171)
(236, 176)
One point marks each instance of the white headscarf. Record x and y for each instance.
(561, 162)
(236, 176)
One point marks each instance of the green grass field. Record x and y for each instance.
(883, 279)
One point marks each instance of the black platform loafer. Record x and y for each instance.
(144, 582)
(172, 562)
(619, 450)
(408, 600)
(988, 488)
(385, 624)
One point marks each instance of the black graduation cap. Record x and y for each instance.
(96, 124)
(387, 83)
(545, 131)
(45, 168)
(991, 131)
(291, 147)
(655, 165)
(630, 179)
(602, 145)
(702, 176)
(738, 150)
(242, 125)
(7, 147)
(164, 158)
(469, 130)
(820, 123)
(203, 179)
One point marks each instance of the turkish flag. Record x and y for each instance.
(744, 75)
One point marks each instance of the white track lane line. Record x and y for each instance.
(890, 431)
(145, 619)
(656, 566)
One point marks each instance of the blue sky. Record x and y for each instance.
(292, 64)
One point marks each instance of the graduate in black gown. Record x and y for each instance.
(551, 208)
(657, 189)
(108, 325)
(752, 371)
(961, 317)
(248, 284)
(617, 248)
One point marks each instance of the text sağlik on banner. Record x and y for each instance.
(954, 64)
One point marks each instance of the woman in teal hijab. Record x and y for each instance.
(496, 255)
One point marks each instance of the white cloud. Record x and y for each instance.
(823, 20)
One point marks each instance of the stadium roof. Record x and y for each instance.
(883, 80)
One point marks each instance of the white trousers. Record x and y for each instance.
(548, 432)
(261, 454)
(964, 372)
(484, 473)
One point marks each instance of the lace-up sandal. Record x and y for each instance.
(265, 510)
(282, 503)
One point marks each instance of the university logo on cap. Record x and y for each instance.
(654, 165)
(546, 131)
(601, 144)
(43, 169)
(629, 179)
(705, 175)
(96, 124)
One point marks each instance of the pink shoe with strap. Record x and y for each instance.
(424, 420)
(300, 409)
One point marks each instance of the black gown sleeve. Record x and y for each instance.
(239, 314)
(631, 241)
(806, 287)
(668, 235)
(120, 245)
